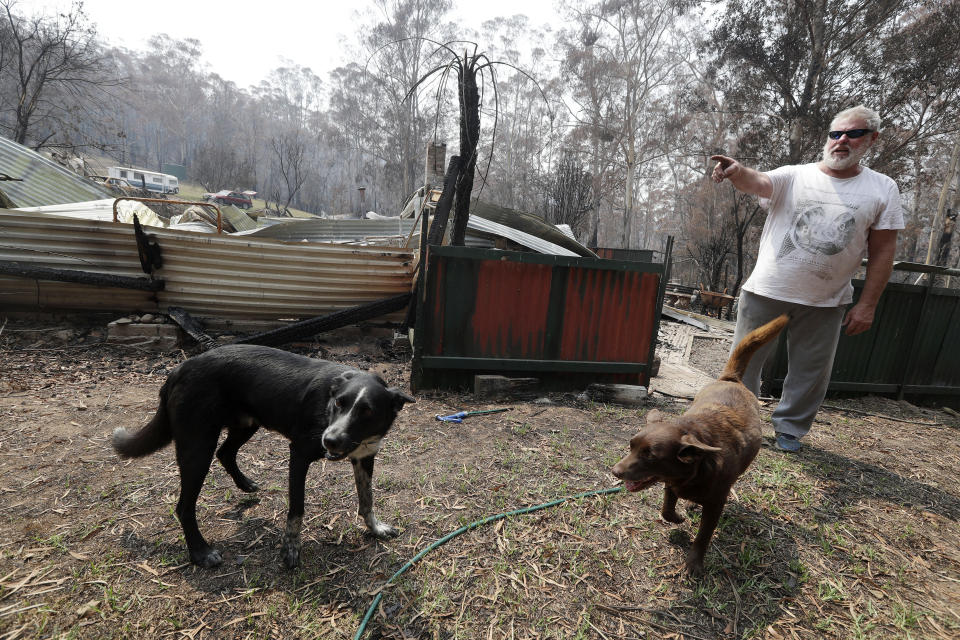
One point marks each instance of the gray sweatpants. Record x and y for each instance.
(812, 336)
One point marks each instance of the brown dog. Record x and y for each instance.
(699, 455)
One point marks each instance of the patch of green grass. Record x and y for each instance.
(799, 571)
(862, 627)
(194, 192)
(868, 552)
(611, 458)
(114, 602)
(520, 429)
(561, 441)
(55, 541)
(905, 617)
(389, 483)
(752, 553)
(830, 591)
(825, 624)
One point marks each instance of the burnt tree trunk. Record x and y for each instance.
(469, 135)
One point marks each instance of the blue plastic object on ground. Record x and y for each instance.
(460, 415)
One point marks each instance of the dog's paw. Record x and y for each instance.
(247, 485)
(383, 531)
(672, 516)
(206, 558)
(693, 567)
(290, 553)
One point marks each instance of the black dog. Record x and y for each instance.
(325, 409)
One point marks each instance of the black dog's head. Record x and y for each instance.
(360, 411)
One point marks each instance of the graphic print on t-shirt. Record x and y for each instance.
(820, 229)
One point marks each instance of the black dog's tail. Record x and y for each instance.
(741, 355)
(153, 436)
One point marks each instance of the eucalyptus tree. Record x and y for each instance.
(786, 66)
(172, 89)
(520, 133)
(293, 96)
(620, 65)
(398, 45)
(164, 109)
(53, 72)
(224, 159)
(362, 141)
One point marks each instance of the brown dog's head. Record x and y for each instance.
(663, 451)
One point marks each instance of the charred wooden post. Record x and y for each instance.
(21, 270)
(192, 327)
(148, 249)
(442, 213)
(313, 326)
(435, 235)
(624, 394)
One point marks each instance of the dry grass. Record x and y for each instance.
(857, 537)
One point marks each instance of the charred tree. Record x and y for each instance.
(469, 135)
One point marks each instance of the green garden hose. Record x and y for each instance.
(464, 529)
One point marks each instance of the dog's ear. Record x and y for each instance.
(654, 416)
(692, 448)
(400, 397)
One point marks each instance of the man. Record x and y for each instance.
(821, 219)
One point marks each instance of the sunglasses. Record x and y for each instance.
(851, 133)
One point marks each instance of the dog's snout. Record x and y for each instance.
(617, 470)
(335, 441)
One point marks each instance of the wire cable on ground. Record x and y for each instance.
(462, 530)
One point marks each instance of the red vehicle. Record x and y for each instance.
(229, 197)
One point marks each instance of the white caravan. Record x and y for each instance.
(149, 180)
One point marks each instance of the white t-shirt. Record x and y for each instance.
(816, 232)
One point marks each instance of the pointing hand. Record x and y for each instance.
(725, 168)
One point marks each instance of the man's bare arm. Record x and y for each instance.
(743, 178)
(881, 247)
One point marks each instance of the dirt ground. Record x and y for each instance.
(855, 537)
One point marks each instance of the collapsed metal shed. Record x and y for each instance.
(209, 275)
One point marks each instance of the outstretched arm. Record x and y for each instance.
(743, 178)
(881, 246)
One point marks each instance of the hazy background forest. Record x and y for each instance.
(605, 123)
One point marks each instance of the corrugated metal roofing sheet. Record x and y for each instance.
(329, 229)
(333, 230)
(209, 275)
(42, 182)
(237, 218)
(103, 210)
(529, 224)
(477, 223)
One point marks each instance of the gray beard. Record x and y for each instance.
(839, 164)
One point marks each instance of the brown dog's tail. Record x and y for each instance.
(153, 436)
(741, 355)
